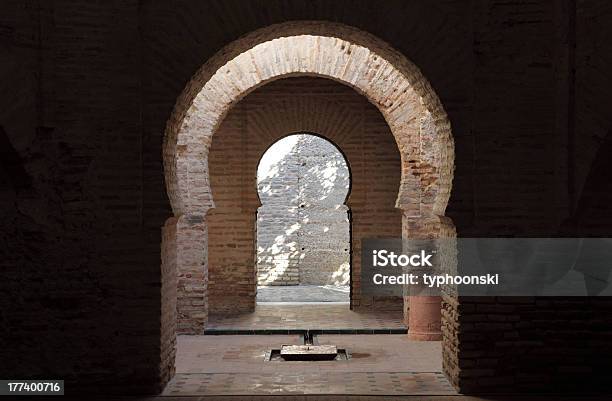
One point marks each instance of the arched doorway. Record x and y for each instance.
(260, 119)
(367, 64)
(303, 227)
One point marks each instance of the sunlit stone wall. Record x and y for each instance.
(302, 225)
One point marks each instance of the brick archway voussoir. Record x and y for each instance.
(397, 89)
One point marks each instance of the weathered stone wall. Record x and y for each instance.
(278, 223)
(87, 88)
(314, 105)
(302, 226)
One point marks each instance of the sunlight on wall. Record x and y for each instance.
(302, 225)
(271, 160)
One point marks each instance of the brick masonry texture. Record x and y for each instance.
(385, 77)
(303, 233)
(88, 87)
(353, 57)
(315, 105)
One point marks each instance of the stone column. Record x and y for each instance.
(424, 318)
(423, 313)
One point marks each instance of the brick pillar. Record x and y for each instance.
(192, 274)
(168, 302)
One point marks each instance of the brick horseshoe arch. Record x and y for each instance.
(355, 58)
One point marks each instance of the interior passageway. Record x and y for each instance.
(294, 197)
(130, 133)
(335, 166)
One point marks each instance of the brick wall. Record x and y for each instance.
(80, 241)
(536, 344)
(307, 104)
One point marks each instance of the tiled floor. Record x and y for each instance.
(308, 316)
(303, 293)
(236, 365)
(372, 397)
(245, 354)
(397, 383)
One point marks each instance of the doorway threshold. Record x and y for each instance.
(224, 332)
(283, 318)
